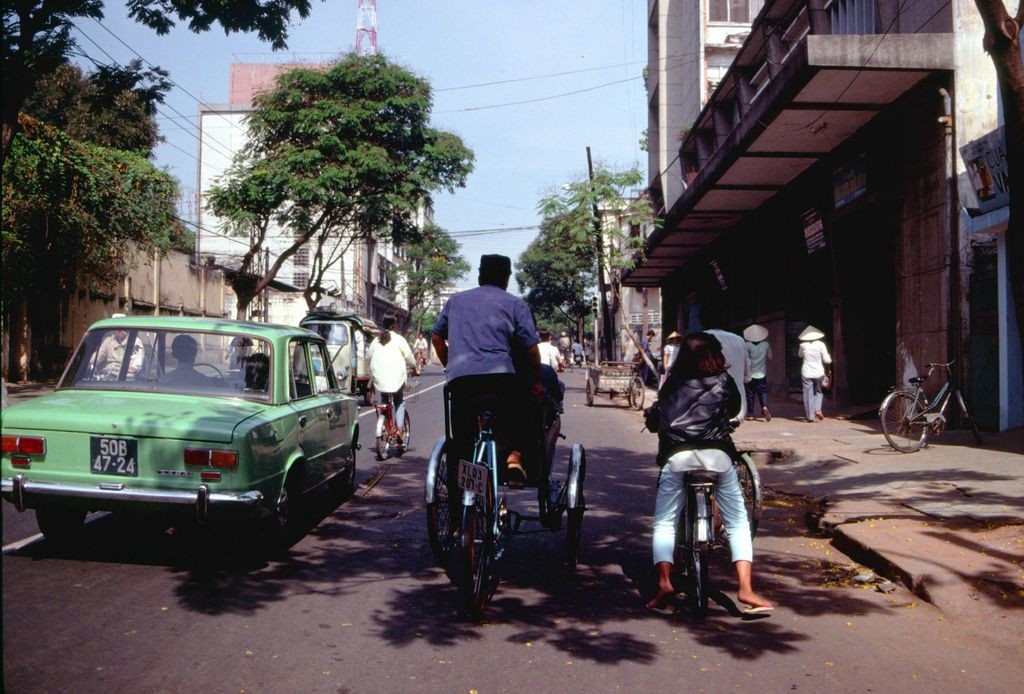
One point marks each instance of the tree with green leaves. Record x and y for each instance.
(599, 218)
(71, 213)
(343, 153)
(37, 36)
(431, 265)
(556, 281)
(111, 106)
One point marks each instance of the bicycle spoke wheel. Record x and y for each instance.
(382, 447)
(699, 557)
(478, 577)
(576, 506)
(405, 436)
(441, 523)
(750, 482)
(903, 427)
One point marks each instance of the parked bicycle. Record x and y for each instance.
(389, 433)
(909, 416)
(697, 536)
(482, 524)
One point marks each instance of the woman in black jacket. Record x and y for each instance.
(697, 402)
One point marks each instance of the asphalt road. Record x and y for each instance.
(357, 605)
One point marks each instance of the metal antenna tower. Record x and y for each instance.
(366, 27)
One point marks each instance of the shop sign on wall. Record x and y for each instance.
(850, 182)
(985, 159)
(814, 231)
(719, 275)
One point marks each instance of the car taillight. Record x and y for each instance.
(21, 461)
(29, 445)
(208, 457)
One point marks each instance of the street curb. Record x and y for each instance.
(919, 552)
(864, 554)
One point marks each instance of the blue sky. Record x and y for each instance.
(528, 85)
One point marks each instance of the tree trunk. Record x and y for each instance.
(1002, 42)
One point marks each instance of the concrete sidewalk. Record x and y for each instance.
(946, 521)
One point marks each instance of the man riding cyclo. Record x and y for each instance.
(487, 340)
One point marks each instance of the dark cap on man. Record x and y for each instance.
(495, 269)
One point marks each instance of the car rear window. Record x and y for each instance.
(172, 361)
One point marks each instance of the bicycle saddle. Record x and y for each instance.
(700, 476)
(917, 380)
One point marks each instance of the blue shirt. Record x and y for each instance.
(481, 326)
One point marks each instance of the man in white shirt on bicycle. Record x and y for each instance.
(390, 361)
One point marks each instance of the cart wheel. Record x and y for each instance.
(591, 389)
(575, 505)
(442, 505)
(636, 393)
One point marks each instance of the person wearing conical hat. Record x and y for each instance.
(760, 352)
(815, 358)
(668, 354)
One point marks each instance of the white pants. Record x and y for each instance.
(671, 500)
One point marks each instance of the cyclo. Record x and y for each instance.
(468, 514)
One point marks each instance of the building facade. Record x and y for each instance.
(824, 182)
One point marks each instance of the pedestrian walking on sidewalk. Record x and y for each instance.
(816, 361)
(760, 352)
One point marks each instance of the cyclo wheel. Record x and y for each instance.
(636, 393)
(442, 523)
(902, 426)
(750, 483)
(697, 556)
(478, 546)
(591, 390)
(575, 505)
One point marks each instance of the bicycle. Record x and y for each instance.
(909, 416)
(390, 435)
(484, 522)
(696, 535)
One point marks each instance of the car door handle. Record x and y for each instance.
(302, 421)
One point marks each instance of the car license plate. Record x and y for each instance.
(472, 477)
(114, 456)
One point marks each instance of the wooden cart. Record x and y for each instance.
(617, 379)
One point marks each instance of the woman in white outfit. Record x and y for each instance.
(815, 358)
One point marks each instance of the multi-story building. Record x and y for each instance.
(362, 281)
(691, 44)
(846, 172)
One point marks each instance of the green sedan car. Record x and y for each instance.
(204, 418)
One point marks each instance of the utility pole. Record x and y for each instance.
(607, 350)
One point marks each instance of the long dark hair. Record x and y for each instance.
(700, 355)
(386, 325)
